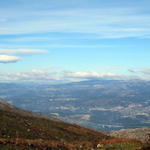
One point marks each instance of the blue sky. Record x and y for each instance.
(74, 40)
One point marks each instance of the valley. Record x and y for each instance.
(98, 104)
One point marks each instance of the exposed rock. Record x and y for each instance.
(140, 134)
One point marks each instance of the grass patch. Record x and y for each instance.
(120, 146)
(11, 147)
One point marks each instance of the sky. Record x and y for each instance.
(74, 40)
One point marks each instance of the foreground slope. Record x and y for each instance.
(18, 123)
(22, 130)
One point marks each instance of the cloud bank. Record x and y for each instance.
(61, 76)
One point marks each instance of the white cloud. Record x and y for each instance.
(8, 59)
(22, 51)
(86, 75)
(7, 55)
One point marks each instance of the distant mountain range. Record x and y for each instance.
(99, 104)
(23, 130)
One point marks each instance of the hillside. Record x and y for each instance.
(19, 123)
(10, 108)
(22, 130)
(30, 128)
